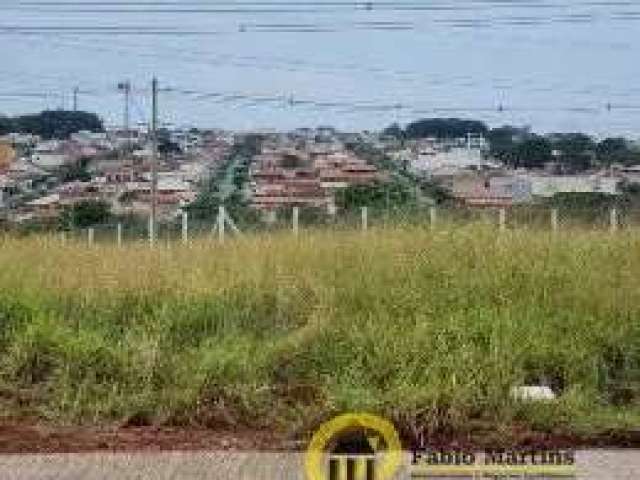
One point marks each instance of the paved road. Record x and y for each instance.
(592, 465)
(227, 187)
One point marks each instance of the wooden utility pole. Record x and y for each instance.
(76, 91)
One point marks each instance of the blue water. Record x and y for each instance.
(555, 65)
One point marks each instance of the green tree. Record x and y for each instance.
(76, 172)
(630, 194)
(503, 142)
(7, 125)
(615, 150)
(435, 191)
(377, 195)
(58, 123)
(394, 130)
(583, 200)
(445, 128)
(85, 213)
(532, 153)
(577, 151)
(206, 205)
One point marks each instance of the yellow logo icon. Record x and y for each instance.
(380, 458)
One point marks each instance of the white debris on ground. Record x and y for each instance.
(532, 393)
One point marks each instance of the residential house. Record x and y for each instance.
(43, 208)
(490, 190)
(546, 186)
(50, 154)
(289, 177)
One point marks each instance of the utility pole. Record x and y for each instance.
(397, 109)
(125, 87)
(76, 90)
(154, 161)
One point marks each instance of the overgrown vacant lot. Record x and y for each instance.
(429, 328)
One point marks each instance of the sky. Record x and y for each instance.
(553, 65)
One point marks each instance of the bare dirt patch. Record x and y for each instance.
(33, 438)
(21, 438)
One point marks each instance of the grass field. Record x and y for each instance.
(429, 328)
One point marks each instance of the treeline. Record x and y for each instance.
(568, 152)
(519, 147)
(438, 128)
(52, 124)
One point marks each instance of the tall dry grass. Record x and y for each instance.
(429, 327)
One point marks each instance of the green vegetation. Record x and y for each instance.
(76, 172)
(52, 123)
(431, 328)
(401, 189)
(572, 152)
(521, 148)
(85, 214)
(379, 195)
(442, 128)
(226, 188)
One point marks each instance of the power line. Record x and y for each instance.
(188, 56)
(293, 101)
(475, 16)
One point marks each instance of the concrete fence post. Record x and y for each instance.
(295, 220)
(185, 228)
(152, 232)
(364, 214)
(502, 219)
(554, 219)
(119, 234)
(433, 216)
(332, 208)
(272, 217)
(613, 220)
(221, 223)
(90, 236)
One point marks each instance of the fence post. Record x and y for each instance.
(272, 217)
(119, 234)
(90, 236)
(554, 219)
(332, 208)
(63, 238)
(364, 213)
(152, 233)
(221, 223)
(613, 220)
(185, 228)
(295, 220)
(433, 216)
(502, 219)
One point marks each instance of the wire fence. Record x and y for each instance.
(295, 220)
